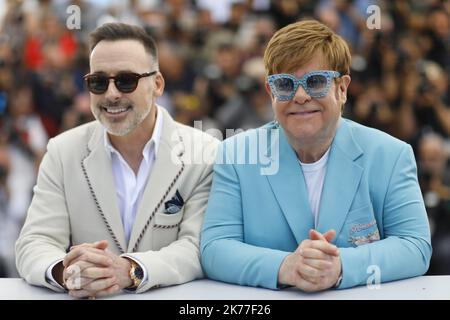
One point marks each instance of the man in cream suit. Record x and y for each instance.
(119, 202)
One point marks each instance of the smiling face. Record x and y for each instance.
(122, 113)
(307, 120)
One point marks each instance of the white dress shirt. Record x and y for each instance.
(314, 174)
(129, 187)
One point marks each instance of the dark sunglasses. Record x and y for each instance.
(125, 82)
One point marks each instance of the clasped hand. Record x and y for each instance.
(91, 270)
(314, 266)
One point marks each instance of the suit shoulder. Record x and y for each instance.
(199, 147)
(371, 138)
(76, 136)
(207, 138)
(242, 139)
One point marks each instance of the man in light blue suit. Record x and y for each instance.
(329, 203)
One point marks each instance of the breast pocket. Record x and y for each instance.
(360, 227)
(165, 229)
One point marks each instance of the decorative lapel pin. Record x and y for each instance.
(363, 233)
(368, 238)
(175, 204)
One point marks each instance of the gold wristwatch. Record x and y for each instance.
(136, 274)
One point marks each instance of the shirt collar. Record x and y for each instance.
(153, 142)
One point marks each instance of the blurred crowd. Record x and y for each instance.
(211, 57)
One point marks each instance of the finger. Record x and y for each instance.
(298, 276)
(315, 235)
(86, 293)
(80, 293)
(99, 260)
(100, 284)
(310, 253)
(109, 253)
(75, 271)
(325, 247)
(73, 254)
(310, 272)
(87, 254)
(102, 244)
(83, 293)
(81, 280)
(84, 282)
(77, 283)
(109, 291)
(304, 244)
(322, 265)
(77, 268)
(96, 273)
(322, 245)
(329, 235)
(306, 285)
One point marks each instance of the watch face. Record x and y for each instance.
(138, 272)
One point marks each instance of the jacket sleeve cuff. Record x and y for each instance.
(49, 276)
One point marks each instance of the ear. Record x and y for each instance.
(342, 86)
(159, 84)
(266, 84)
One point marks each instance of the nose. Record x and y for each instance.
(301, 96)
(112, 93)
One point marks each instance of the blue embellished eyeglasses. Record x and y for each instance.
(316, 84)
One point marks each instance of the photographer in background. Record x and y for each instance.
(372, 109)
(432, 101)
(4, 199)
(434, 179)
(425, 103)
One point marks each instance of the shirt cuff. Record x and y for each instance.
(144, 269)
(49, 277)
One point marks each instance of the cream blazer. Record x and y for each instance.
(75, 202)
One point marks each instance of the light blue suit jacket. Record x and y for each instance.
(254, 220)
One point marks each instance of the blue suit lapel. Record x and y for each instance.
(341, 180)
(289, 188)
